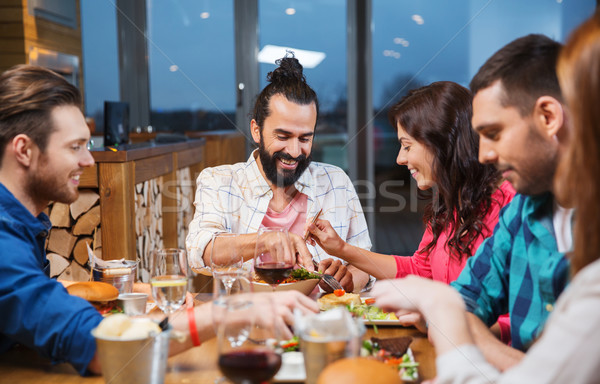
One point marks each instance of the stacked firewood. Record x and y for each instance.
(185, 198)
(74, 226)
(148, 223)
(78, 224)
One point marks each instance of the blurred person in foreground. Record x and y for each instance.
(43, 152)
(279, 185)
(440, 148)
(568, 350)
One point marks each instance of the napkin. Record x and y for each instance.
(334, 324)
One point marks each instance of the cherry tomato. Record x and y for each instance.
(339, 292)
(370, 301)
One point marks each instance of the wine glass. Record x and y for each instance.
(223, 288)
(273, 256)
(228, 266)
(168, 278)
(248, 340)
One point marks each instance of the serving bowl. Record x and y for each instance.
(303, 286)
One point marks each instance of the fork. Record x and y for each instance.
(328, 279)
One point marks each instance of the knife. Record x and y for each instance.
(314, 220)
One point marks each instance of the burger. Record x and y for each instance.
(358, 370)
(102, 296)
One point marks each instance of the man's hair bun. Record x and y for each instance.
(288, 68)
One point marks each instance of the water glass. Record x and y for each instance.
(225, 261)
(168, 278)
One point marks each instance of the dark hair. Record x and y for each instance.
(526, 68)
(287, 79)
(439, 117)
(576, 181)
(28, 94)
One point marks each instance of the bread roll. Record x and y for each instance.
(94, 291)
(113, 326)
(358, 370)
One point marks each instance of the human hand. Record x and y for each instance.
(413, 319)
(338, 270)
(303, 255)
(415, 294)
(323, 233)
(284, 304)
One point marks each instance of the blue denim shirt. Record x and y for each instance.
(37, 311)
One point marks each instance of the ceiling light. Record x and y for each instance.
(418, 19)
(204, 15)
(173, 68)
(391, 53)
(401, 41)
(309, 59)
(290, 11)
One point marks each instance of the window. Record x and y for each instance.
(100, 57)
(318, 27)
(416, 43)
(192, 65)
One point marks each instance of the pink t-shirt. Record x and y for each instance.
(293, 217)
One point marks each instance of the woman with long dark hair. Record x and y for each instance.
(568, 350)
(440, 149)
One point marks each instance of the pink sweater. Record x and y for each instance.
(438, 265)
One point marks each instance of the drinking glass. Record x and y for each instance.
(222, 289)
(273, 256)
(168, 278)
(228, 267)
(248, 340)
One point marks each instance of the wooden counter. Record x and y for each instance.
(117, 173)
(146, 193)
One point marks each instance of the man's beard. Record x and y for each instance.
(269, 164)
(45, 185)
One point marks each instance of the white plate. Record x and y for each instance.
(378, 323)
(292, 368)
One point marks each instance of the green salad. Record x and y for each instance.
(408, 369)
(370, 312)
(303, 274)
(291, 345)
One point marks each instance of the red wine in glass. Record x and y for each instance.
(249, 366)
(273, 273)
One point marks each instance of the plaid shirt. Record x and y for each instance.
(518, 270)
(234, 198)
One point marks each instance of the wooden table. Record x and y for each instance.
(197, 365)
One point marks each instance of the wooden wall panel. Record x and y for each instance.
(116, 197)
(12, 45)
(10, 3)
(22, 31)
(11, 15)
(152, 167)
(89, 178)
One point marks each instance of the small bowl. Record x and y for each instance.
(133, 304)
(304, 286)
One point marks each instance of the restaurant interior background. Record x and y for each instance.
(196, 65)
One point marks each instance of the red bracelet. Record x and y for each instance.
(193, 329)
